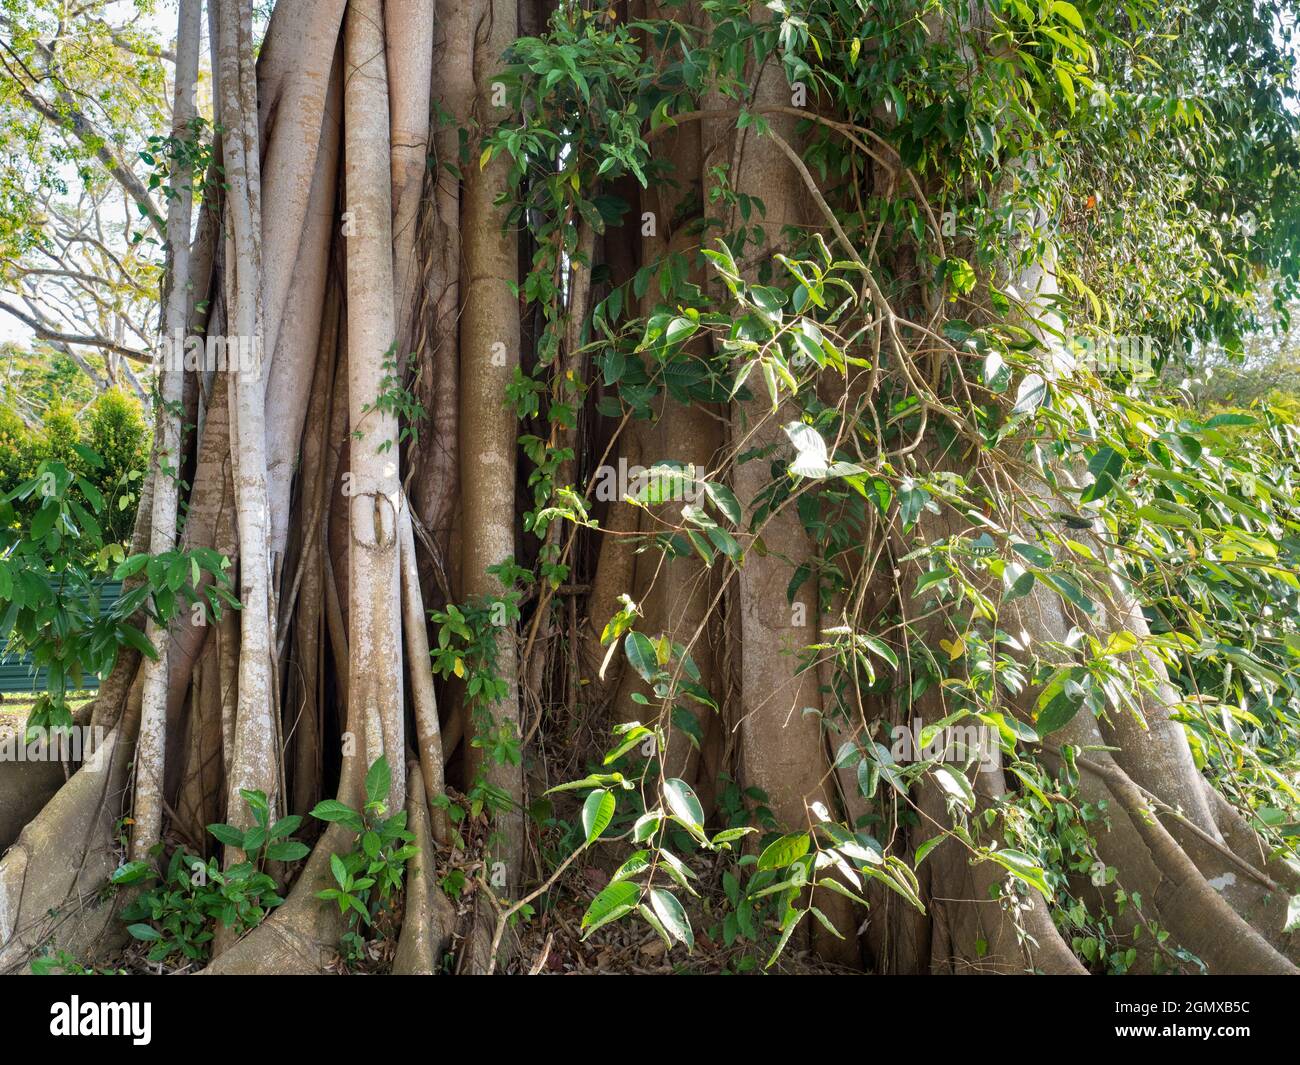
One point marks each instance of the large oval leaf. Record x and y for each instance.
(640, 653)
(682, 802)
(672, 916)
(610, 905)
(597, 813)
(781, 852)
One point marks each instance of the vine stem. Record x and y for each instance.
(504, 915)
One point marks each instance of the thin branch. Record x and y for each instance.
(44, 333)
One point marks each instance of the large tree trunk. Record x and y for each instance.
(489, 355)
(151, 749)
(255, 758)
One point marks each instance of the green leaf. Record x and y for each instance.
(1059, 702)
(379, 780)
(339, 870)
(646, 826)
(725, 500)
(724, 542)
(597, 813)
(286, 826)
(611, 904)
(784, 851)
(637, 863)
(826, 922)
(593, 780)
(630, 739)
(1030, 395)
(1101, 487)
(911, 501)
(677, 869)
(683, 803)
(1106, 461)
(925, 848)
(1017, 582)
(1070, 591)
(287, 851)
(333, 810)
(959, 274)
(679, 329)
(640, 651)
(673, 916)
(786, 933)
(879, 646)
(89, 456)
(1220, 421)
(93, 495)
(128, 567)
(131, 873)
(137, 639)
(1033, 554)
(1023, 867)
(44, 520)
(145, 932)
(1068, 12)
(930, 579)
(686, 723)
(730, 835)
(652, 919)
(228, 835)
(997, 374)
(1187, 448)
(955, 785)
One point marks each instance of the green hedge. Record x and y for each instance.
(112, 425)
